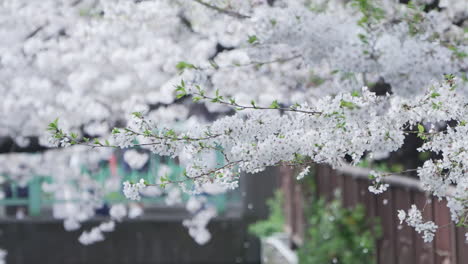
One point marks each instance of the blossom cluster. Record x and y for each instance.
(334, 127)
(414, 219)
(377, 186)
(132, 191)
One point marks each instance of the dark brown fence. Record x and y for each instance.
(399, 244)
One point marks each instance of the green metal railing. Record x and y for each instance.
(36, 199)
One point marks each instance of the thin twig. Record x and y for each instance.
(223, 10)
(242, 107)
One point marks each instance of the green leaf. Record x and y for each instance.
(53, 125)
(363, 38)
(449, 77)
(436, 106)
(435, 94)
(180, 90)
(182, 65)
(137, 114)
(252, 39)
(347, 104)
(170, 133)
(232, 101)
(420, 128)
(275, 105)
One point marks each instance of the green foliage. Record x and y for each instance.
(421, 132)
(382, 167)
(371, 13)
(252, 39)
(253, 104)
(315, 79)
(275, 105)
(218, 98)
(53, 126)
(458, 53)
(338, 235)
(355, 94)
(346, 104)
(180, 90)
(275, 222)
(182, 65)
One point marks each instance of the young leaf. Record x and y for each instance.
(275, 105)
(252, 39)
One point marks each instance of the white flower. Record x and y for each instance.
(107, 226)
(132, 191)
(195, 203)
(118, 211)
(303, 173)
(71, 224)
(135, 211)
(197, 225)
(415, 220)
(93, 236)
(401, 216)
(378, 187)
(135, 159)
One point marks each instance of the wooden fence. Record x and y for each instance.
(399, 244)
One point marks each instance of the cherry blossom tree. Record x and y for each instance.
(287, 83)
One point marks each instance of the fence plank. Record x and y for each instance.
(386, 212)
(340, 183)
(326, 183)
(404, 241)
(318, 180)
(453, 241)
(462, 246)
(443, 237)
(333, 182)
(299, 225)
(366, 198)
(425, 252)
(350, 192)
(287, 188)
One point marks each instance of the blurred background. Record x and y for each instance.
(92, 63)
